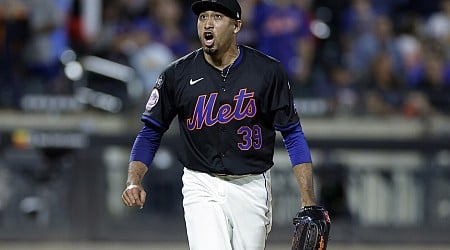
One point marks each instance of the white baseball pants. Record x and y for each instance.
(227, 212)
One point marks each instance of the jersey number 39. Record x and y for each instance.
(251, 137)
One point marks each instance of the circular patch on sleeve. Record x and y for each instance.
(152, 100)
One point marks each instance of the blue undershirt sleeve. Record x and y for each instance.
(295, 142)
(145, 145)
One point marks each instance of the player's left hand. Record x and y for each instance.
(312, 227)
(134, 196)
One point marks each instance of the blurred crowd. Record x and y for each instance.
(363, 57)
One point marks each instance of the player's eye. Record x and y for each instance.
(215, 17)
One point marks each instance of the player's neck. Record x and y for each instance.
(222, 60)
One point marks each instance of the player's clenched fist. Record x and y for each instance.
(134, 196)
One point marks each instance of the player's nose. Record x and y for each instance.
(209, 23)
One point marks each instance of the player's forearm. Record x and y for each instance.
(304, 175)
(136, 172)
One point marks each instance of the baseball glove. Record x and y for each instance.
(312, 226)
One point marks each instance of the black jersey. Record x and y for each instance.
(227, 121)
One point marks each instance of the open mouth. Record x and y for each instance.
(208, 38)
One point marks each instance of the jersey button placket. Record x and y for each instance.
(222, 130)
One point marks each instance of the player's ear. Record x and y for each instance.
(237, 26)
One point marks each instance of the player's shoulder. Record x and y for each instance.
(186, 60)
(262, 61)
(182, 67)
(254, 54)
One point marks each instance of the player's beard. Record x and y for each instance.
(209, 50)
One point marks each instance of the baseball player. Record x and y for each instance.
(229, 99)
